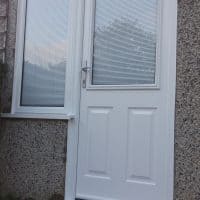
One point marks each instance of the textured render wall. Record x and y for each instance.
(187, 148)
(32, 158)
(32, 152)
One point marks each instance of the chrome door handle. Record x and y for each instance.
(85, 70)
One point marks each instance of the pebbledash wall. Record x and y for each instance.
(33, 152)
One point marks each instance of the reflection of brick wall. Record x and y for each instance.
(3, 28)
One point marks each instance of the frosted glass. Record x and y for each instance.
(125, 42)
(45, 53)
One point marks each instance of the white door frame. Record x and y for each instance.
(73, 125)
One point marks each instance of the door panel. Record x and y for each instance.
(98, 141)
(121, 137)
(124, 130)
(140, 165)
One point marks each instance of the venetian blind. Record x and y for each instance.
(45, 53)
(125, 42)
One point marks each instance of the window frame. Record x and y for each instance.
(65, 112)
(89, 30)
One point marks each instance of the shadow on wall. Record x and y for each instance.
(4, 72)
(3, 68)
(12, 197)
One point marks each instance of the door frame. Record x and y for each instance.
(73, 124)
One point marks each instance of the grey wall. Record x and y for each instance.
(32, 158)
(32, 152)
(187, 148)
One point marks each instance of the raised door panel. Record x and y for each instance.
(140, 151)
(98, 129)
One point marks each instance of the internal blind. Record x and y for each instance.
(45, 53)
(125, 42)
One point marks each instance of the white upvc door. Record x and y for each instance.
(126, 128)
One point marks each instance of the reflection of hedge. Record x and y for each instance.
(124, 53)
(43, 81)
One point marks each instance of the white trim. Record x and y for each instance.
(68, 99)
(21, 14)
(88, 197)
(124, 87)
(72, 143)
(170, 97)
(36, 116)
(73, 125)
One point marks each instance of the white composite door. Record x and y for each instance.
(125, 149)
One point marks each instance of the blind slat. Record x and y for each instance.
(45, 53)
(125, 42)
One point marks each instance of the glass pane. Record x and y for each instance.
(45, 53)
(125, 42)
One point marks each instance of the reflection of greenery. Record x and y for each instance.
(127, 36)
(43, 82)
(126, 28)
(125, 50)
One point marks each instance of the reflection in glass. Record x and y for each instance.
(45, 53)
(125, 42)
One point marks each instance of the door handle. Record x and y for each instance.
(84, 70)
